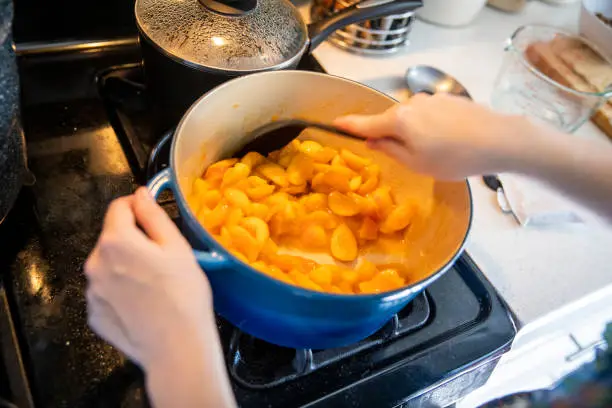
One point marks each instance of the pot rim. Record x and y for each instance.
(217, 70)
(391, 296)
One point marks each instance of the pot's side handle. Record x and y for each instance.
(160, 182)
(358, 12)
(209, 261)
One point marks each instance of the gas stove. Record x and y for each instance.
(87, 127)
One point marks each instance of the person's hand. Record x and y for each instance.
(445, 136)
(146, 292)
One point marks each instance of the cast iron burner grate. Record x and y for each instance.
(255, 364)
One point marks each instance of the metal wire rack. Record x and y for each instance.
(380, 36)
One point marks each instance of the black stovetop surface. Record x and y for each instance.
(451, 341)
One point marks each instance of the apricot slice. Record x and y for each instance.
(278, 198)
(368, 186)
(337, 179)
(325, 155)
(215, 218)
(258, 210)
(252, 159)
(323, 218)
(269, 249)
(224, 238)
(341, 204)
(398, 219)
(392, 276)
(216, 171)
(384, 201)
(281, 276)
(287, 153)
(211, 198)
(369, 287)
(260, 192)
(244, 242)
(366, 205)
(371, 176)
(260, 266)
(200, 186)
(314, 236)
(321, 168)
(233, 217)
(195, 204)
(310, 147)
(353, 160)
(272, 271)
(300, 169)
(366, 270)
(257, 227)
(239, 255)
(368, 229)
(285, 160)
(372, 170)
(304, 281)
(274, 173)
(350, 276)
(283, 221)
(236, 198)
(255, 181)
(295, 189)
(346, 288)
(235, 174)
(322, 275)
(318, 184)
(383, 281)
(343, 244)
(314, 202)
(355, 183)
(338, 161)
(292, 262)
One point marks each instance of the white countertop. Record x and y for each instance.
(537, 271)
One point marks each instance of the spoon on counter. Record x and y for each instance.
(426, 79)
(275, 135)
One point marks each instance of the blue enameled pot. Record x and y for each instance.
(214, 127)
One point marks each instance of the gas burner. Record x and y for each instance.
(123, 93)
(249, 359)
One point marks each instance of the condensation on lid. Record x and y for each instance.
(270, 34)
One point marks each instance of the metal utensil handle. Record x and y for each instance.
(365, 10)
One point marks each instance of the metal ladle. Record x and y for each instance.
(426, 79)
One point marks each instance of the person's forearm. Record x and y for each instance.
(194, 375)
(579, 168)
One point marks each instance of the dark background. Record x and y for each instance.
(45, 20)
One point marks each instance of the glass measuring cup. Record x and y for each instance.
(537, 80)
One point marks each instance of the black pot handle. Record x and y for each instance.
(361, 11)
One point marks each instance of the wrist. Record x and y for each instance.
(522, 145)
(190, 374)
(184, 337)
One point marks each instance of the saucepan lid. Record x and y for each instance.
(224, 35)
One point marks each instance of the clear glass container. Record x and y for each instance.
(539, 78)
